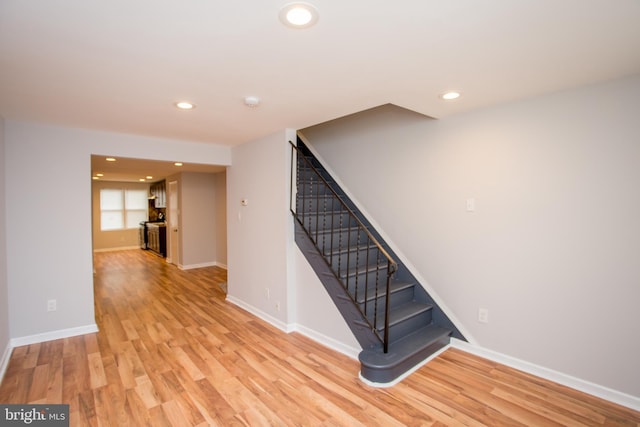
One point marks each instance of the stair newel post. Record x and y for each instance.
(366, 281)
(294, 179)
(356, 275)
(340, 244)
(386, 308)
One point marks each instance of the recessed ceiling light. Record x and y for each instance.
(110, 159)
(95, 178)
(450, 95)
(149, 177)
(184, 105)
(141, 180)
(99, 174)
(178, 164)
(252, 101)
(298, 15)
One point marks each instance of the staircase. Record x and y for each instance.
(394, 320)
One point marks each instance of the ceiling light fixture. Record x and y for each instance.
(99, 174)
(178, 164)
(149, 177)
(449, 96)
(110, 159)
(252, 101)
(298, 15)
(184, 105)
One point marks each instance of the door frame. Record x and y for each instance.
(173, 221)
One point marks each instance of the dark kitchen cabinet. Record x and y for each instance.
(159, 192)
(157, 238)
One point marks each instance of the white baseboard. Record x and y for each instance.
(288, 328)
(53, 335)
(221, 265)
(4, 361)
(328, 342)
(261, 314)
(602, 392)
(201, 265)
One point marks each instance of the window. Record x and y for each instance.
(122, 208)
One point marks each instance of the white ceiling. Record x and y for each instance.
(120, 65)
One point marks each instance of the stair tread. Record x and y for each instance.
(403, 348)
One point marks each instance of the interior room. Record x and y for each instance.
(487, 152)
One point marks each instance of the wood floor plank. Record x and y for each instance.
(172, 351)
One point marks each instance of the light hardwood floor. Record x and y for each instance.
(172, 352)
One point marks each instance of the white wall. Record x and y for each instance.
(198, 219)
(48, 200)
(220, 182)
(4, 293)
(553, 248)
(202, 219)
(262, 253)
(260, 233)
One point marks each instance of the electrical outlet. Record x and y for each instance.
(278, 306)
(52, 305)
(268, 293)
(483, 315)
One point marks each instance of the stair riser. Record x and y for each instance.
(407, 326)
